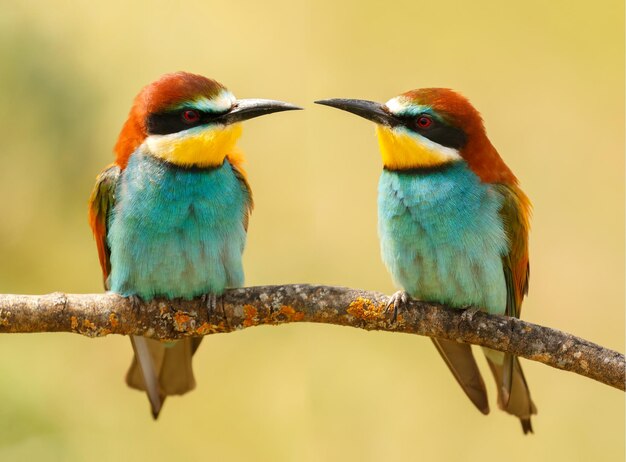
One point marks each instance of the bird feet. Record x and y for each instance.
(468, 314)
(135, 302)
(398, 301)
(210, 302)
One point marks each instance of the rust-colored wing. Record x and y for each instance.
(515, 213)
(100, 205)
(513, 392)
(236, 161)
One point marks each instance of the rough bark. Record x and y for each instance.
(96, 315)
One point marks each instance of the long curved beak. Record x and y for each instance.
(245, 109)
(369, 110)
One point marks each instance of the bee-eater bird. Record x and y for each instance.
(453, 225)
(170, 215)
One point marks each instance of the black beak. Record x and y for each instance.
(369, 110)
(441, 132)
(245, 109)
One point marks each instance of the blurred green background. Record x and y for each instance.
(548, 78)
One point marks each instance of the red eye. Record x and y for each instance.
(424, 122)
(191, 117)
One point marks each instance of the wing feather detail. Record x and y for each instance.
(236, 160)
(101, 203)
(515, 213)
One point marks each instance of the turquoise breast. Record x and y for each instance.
(442, 237)
(176, 232)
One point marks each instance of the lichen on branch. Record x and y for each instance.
(96, 315)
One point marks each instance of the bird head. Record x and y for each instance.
(430, 128)
(188, 120)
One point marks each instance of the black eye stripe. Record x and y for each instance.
(444, 135)
(438, 131)
(164, 123)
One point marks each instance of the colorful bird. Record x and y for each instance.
(453, 225)
(170, 215)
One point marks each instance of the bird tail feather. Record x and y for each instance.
(518, 401)
(162, 369)
(461, 362)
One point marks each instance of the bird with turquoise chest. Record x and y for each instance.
(453, 225)
(170, 215)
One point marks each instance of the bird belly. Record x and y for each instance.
(442, 237)
(176, 232)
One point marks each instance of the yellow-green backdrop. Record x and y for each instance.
(548, 78)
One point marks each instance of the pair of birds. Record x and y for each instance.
(170, 217)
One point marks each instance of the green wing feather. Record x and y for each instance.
(515, 215)
(240, 174)
(513, 393)
(101, 203)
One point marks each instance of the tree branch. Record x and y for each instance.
(96, 315)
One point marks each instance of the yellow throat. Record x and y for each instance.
(401, 150)
(203, 147)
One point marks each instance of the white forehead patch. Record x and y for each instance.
(397, 105)
(220, 103)
(402, 106)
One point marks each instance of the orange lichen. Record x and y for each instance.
(288, 313)
(88, 324)
(204, 328)
(364, 308)
(182, 321)
(113, 320)
(73, 322)
(208, 328)
(251, 316)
